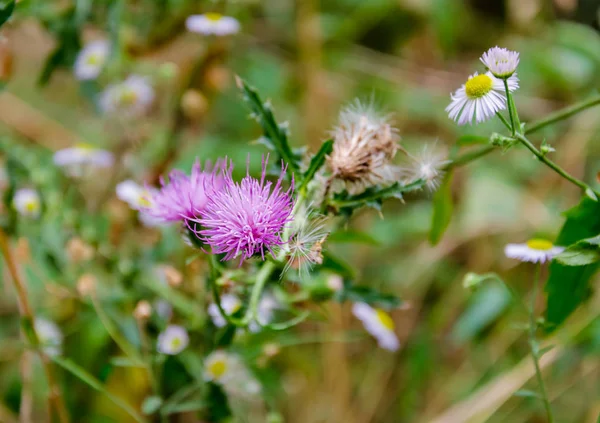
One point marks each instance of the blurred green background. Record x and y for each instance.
(462, 355)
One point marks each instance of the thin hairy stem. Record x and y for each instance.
(55, 395)
(533, 345)
(512, 110)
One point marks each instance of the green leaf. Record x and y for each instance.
(374, 196)
(90, 380)
(315, 163)
(151, 404)
(569, 286)
(350, 236)
(6, 11)
(366, 294)
(275, 134)
(337, 265)
(577, 255)
(485, 306)
(442, 209)
(186, 407)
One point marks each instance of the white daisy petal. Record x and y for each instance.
(212, 24)
(27, 203)
(533, 251)
(91, 59)
(379, 324)
(173, 340)
(502, 63)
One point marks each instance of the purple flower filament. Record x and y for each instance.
(246, 218)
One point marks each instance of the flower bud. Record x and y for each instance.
(78, 250)
(6, 61)
(194, 104)
(143, 310)
(86, 285)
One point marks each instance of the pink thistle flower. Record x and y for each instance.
(246, 218)
(184, 197)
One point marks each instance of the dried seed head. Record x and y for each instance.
(364, 145)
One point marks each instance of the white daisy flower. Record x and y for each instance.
(502, 63)
(91, 59)
(76, 160)
(480, 98)
(27, 203)
(230, 304)
(138, 198)
(130, 98)
(218, 366)
(212, 24)
(335, 282)
(172, 340)
(535, 251)
(379, 324)
(428, 166)
(49, 335)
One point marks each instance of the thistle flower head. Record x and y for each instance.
(246, 218)
(304, 247)
(480, 98)
(364, 144)
(428, 166)
(184, 197)
(172, 340)
(27, 203)
(129, 98)
(502, 63)
(212, 24)
(91, 60)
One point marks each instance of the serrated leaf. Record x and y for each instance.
(569, 286)
(337, 265)
(442, 209)
(374, 196)
(275, 134)
(315, 163)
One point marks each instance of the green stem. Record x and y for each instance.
(512, 110)
(469, 157)
(504, 121)
(541, 157)
(533, 345)
(261, 280)
(562, 114)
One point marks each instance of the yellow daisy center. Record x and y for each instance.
(85, 146)
(478, 86)
(143, 200)
(94, 59)
(385, 319)
(539, 244)
(213, 17)
(176, 343)
(128, 97)
(31, 206)
(217, 368)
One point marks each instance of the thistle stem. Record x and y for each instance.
(533, 345)
(55, 395)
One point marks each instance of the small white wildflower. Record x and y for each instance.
(79, 159)
(428, 166)
(91, 59)
(138, 198)
(480, 98)
(218, 366)
(27, 203)
(172, 340)
(212, 24)
(364, 145)
(230, 304)
(502, 63)
(379, 324)
(129, 98)
(49, 335)
(535, 251)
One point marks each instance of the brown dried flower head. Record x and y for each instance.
(364, 145)
(78, 250)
